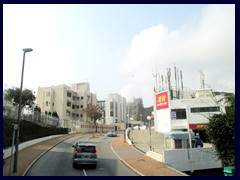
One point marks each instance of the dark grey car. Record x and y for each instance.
(85, 153)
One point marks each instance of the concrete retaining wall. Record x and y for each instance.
(202, 158)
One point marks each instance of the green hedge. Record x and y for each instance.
(28, 131)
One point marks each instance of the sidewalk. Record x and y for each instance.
(139, 162)
(133, 158)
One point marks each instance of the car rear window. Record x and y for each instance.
(91, 149)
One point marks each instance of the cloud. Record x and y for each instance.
(205, 42)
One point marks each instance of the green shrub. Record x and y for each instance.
(28, 131)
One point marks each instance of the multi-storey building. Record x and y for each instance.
(135, 109)
(68, 102)
(115, 109)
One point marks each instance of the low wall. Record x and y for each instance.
(157, 156)
(202, 158)
(127, 137)
(7, 152)
(88, 128)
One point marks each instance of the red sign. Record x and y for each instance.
(162, 100)
(198, 126)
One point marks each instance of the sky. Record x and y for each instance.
(118, 48)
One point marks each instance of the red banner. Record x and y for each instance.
(198, 126)
(162, 100)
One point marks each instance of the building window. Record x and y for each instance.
(77, 98)
(74, 98)
(48, 93)
(73, 115)
(46, 103)
(69, 103)
(111, 109)
(178, 144)
(81, 115)
(205, 109)
(82, 97)
(68, 113)
(77, 106)
(179, 114)
(69, 94)
(81, 106)
(77, 115)
(116, 109)
(52, 104)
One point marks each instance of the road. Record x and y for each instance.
(58, 161)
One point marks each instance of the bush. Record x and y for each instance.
(28, 131)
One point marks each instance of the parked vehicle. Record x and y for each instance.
(112, 133)
(85, 153)
(198, 142)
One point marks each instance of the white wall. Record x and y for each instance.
(163, 120)
(179, 159)
(203, 158)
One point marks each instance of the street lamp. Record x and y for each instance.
(25, 50)
(131, 119)
(150, 138)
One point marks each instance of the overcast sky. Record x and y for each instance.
(117, 48)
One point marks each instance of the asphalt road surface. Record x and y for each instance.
(58, 161)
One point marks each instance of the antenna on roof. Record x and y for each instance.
(202, 77)
(155, 76)
(159, 81)
(162, 84)
(181, 78)
(168, 78)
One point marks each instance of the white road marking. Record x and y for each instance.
(85, 174)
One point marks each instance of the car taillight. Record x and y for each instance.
(95, 152)
(77, 152)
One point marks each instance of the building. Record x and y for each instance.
(115, 109)
(135, 109)
(68, 102)
(101, 105)
(185, 114)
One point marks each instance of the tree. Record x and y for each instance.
(221, 133)
(37, 109)
(55, 114)
(94, 112)
(13, 95)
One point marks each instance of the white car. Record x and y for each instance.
(112, 133)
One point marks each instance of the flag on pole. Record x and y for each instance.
(154, 89)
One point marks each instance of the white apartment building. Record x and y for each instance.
(67, 101)
(115, 109)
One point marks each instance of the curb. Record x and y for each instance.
(25, 172)
(69, 136)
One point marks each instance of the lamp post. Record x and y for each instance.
(131, 119)
(25, 50)
(126, 128)
(150, 138)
